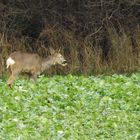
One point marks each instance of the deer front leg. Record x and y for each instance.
(34, 77)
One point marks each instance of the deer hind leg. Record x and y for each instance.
(13, 76)
(11, 79)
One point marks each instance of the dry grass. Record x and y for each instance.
(124, 57)
(82, 57)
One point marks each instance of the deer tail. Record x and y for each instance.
(9, 62)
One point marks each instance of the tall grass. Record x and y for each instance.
(83, 55)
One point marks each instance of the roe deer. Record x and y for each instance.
(20, 62)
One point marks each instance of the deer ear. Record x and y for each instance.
(59, 50)
(52, 51)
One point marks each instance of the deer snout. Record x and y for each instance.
(64, 63)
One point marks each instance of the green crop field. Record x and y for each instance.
(71, 108)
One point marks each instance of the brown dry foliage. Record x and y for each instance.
(94, 36)
(81, 56)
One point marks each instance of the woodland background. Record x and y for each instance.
(95, 36)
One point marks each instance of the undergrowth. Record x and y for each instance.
(71, 108)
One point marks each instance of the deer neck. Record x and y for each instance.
(47, 62)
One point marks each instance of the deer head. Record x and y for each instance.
(57, 58)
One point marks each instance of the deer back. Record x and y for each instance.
(25, 62)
